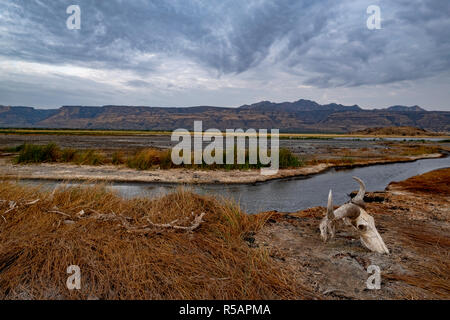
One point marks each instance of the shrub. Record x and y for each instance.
(14, 149)
(145, 159)
(90, 157)
(118, 158)
(68, 155)
(36, 153)
(166, 159)
(288, 159)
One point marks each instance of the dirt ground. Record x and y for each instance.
(414, 223)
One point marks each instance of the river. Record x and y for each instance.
(289, 195)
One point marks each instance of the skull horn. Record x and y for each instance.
(330, 210)
(362, 190)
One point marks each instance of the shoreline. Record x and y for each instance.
(114, 174)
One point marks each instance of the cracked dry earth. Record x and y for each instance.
(412, 219)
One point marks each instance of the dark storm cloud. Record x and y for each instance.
(326, 43)
(228, 36)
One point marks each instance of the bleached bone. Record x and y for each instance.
(354, 214)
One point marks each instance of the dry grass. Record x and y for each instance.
(419, 150)
(39, 240)
(396, 131)
(434, 182)
(150, 158)
(431, 273)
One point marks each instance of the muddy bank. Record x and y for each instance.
(412, 217)
(110, 173)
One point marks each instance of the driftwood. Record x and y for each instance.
(198, 220)
(13, 205)
(59, 212)
(146, 229)
(32, 202)
(195, 224)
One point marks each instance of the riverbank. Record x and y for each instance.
(110, 173)
(185, 246)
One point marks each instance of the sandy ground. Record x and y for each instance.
(112, 173)
(414, 225)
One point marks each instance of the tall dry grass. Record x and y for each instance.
(94, 228)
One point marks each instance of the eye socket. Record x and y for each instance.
(362, 227)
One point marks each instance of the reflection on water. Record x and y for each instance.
(293, 194)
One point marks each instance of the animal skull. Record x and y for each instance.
(354, 214)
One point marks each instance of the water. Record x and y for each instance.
(290, 195)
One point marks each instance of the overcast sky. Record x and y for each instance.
(224, 53)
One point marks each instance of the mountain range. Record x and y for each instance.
(301, 116)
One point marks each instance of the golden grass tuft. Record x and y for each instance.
(435, 182)
(37, 244)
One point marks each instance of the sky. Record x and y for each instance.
(224, 53)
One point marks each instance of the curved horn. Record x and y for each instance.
(330, 211)
(362, 190)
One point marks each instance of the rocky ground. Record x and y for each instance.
(413, 219)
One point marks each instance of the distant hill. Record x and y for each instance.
(299, 116)
(396, 131)
(405, 108)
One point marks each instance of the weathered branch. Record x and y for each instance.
(145, 229)
(59, 212)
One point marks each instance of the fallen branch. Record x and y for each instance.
(32, 202)
(59, 212)
(14, 205)
(149, 228)
(196, 223)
